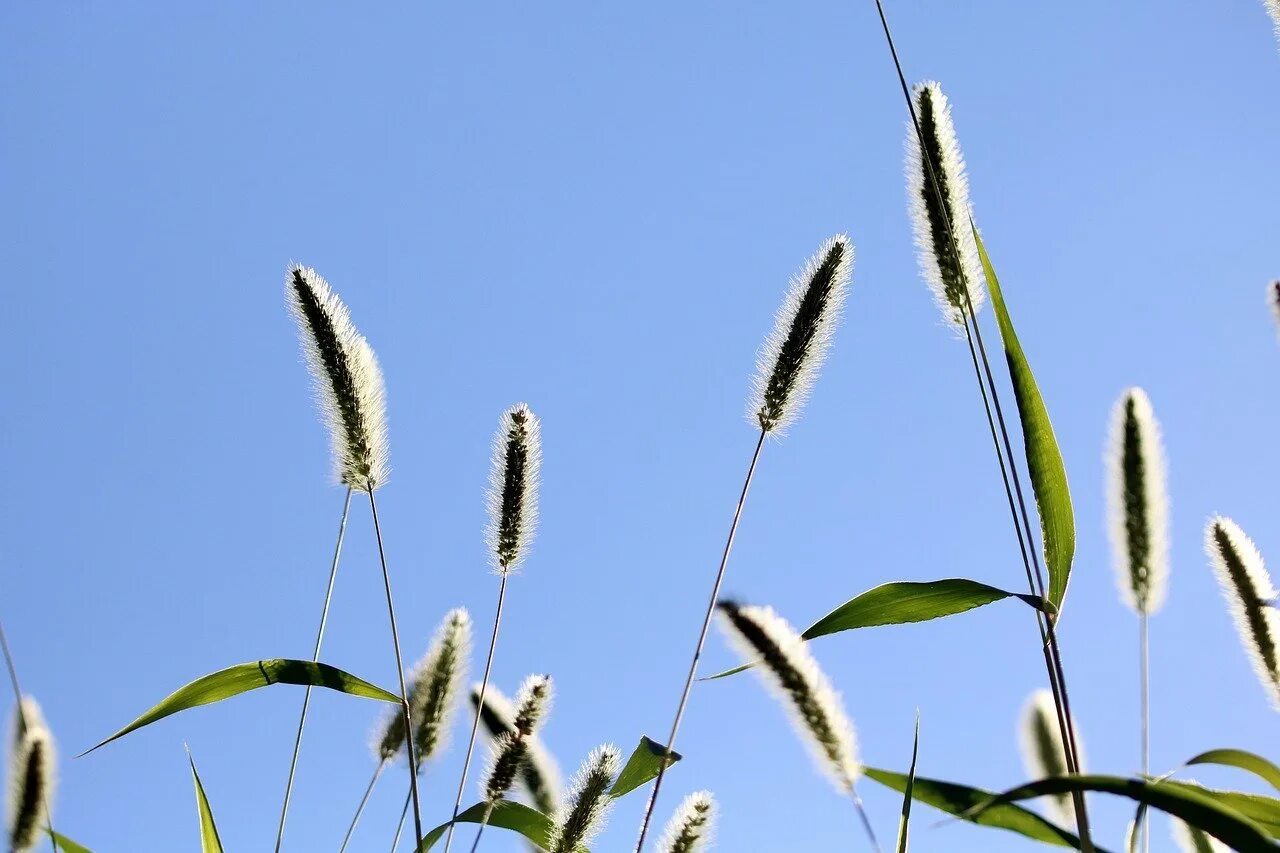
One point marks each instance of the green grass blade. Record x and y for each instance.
(1239, 758)
(1044, 459)
(1263, 811)
(66, 845)
(507, 814)
(209, 841)
(960, 800)
(250, 676)
(1196, 806)
(905, 821)
(903, 602)
(641, 767)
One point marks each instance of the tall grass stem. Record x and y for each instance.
(364, 801)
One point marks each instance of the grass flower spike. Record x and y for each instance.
(1249, 593)
(692, 826)
(1191, 840)
(437, 683)
(1273, 289)
(794, 351)
(1042, 752)
(583, 813)
(513, 487)
(347, 378)
(31, 776)
(511, 748)
(1138, 503)
(539, 774)
(942, 225)
(1273, 9)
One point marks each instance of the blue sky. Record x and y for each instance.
(595, 209)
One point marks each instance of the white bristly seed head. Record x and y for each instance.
(31, 776)
(1273, 9)
(512, 748)
(584, 811)
(1138, 503)
(513, 488)
(942, 225)
(794, 351)
(1273, 289)
(692, 826)
(1043, 755)
(1250, 597)
(796, 680)
(539, 774)
(347, 379)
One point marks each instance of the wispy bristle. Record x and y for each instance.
(947, 275)
(794, 351)
(692, 826)
(1273, 9)
(512, 748)
(587, 806)
(539, 774)
(435, 687)
(513, 487)
(347, 378)
(31, 776)
(1042, 754)
(1192, 840)
(533, 703)
(794, 676)
(1138, 503)
(1249, 592)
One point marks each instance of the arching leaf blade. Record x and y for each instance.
(1242, 760)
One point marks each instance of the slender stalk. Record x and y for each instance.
(702, 640)
(1144, 677)
(488, 813)
(395, 842)
(346, 839)
(475, 721)
(866, 821)
(1048, 632)
(315, 656)
(404, 693)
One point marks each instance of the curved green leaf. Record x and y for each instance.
(960, 800)
(642, 766)
(1193, 804)
(517, 817)
(905, 821)
(903, 602)
(64, 844)
(1239, 758)
(1044, 459)
(209, 841)
(250, 676)
(1263, 811)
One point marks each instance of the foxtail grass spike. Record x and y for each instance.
(31, 776)
(539, 774)
(1042, 751)
(1191, 840)
(513, 487)
(692, 826)
(794, 676)
(1273, 9)
(511, 748)
(1250, 596)
(794, 351)
(940, 223)
(347, 378)
(1138, 503)
(1273, 289)
(586, 808)
(437, 684)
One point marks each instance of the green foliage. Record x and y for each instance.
(209, 841)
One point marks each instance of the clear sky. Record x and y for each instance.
(595, 208)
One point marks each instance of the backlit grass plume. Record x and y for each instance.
(1273, 9)
(513, 487)
(539, 774)
(1138, 503)
(511, 748)
(347, 378)
(794, 676)
(794, 351)
(584, 811)
(1191, 840)
(942, 224)
(1249, 593)
(31, 776)
(1042, 754)
(1273, 289)
(691, 827)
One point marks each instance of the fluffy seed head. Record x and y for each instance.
(347, 379)
(511, 748)
(436, 684)
(587, 806)
(509, 752)
(947, 275)
(1138, 503)
(691, 827)
(1042, 751)
(1250, 597)
(539, 774)
(795, 678)
(1273, 9)
(794, 351)
(31, 776)
(513, 487)
(533, 703)
(1192, 840)
(1273, 289)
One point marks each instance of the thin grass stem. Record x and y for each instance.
(404, 693)
(346, 839)
(866, 821)
(315, 656)
(1144, 679)
(488, 813)
(395, 842)
(702, 640)
(475, 721)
